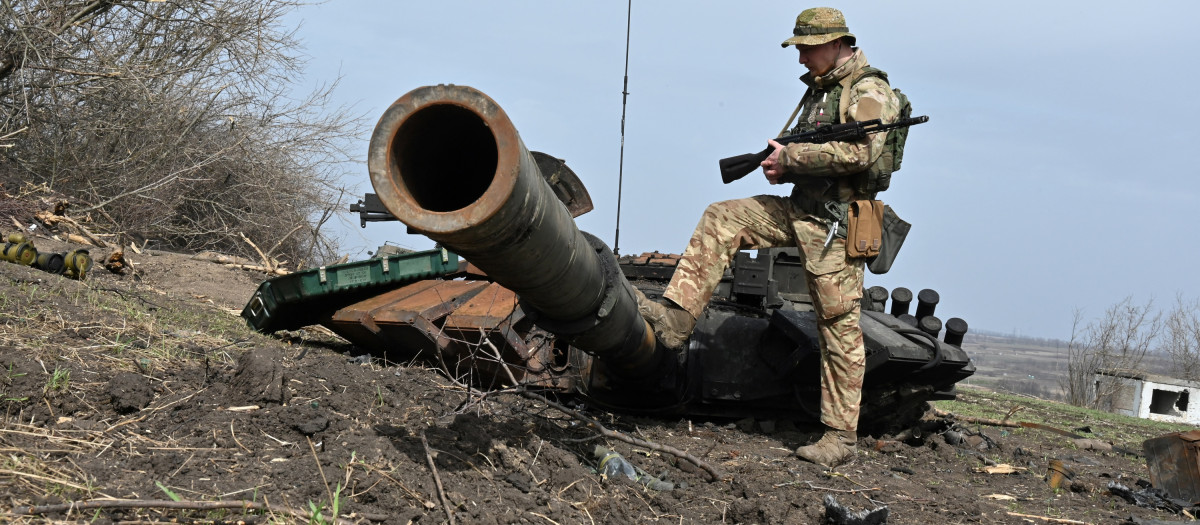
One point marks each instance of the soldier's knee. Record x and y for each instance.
(716, 210)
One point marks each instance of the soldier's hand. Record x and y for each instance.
(771, 166)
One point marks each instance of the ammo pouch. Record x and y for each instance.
(894, 232)
(864, 225)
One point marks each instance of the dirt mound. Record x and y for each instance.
(147, 387)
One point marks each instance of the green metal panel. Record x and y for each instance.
(306, 297)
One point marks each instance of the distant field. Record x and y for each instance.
(1026, 365)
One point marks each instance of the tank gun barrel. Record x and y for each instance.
(447, 161)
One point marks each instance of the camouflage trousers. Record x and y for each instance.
(835, 284)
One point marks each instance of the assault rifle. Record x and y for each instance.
(734, 168)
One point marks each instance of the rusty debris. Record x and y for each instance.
(116, 262)
(1057, 475)
(1174, 463)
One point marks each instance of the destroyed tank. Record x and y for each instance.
(537, 301)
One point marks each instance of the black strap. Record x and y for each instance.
(810, 30)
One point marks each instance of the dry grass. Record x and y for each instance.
(64, 340)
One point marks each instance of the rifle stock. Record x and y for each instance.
(738, 166)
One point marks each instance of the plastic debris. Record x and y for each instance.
(839, 515)
(1149, 497)
(613, 464)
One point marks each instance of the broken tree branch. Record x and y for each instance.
(975, 420)
(221, 258)
(266, 260)
(1025, 424)
(272, 271)
(285, 238)
(1011, 411)
(51, 219)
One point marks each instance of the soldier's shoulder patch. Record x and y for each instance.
(868, 108)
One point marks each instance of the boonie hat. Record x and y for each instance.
(817, 26)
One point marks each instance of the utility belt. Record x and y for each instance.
(832, 211)
(872, 229)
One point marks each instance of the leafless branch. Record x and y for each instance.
(177, 120)
(1118, 340)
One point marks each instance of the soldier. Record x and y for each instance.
(826, 177)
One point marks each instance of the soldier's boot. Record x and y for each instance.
(834, 448)
(672, 325)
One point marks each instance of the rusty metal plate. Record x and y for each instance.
(423, 309)
(486, 310)
(1174, 462)
(359, 314)
(428, 305)
(402, 324)
(355, 324)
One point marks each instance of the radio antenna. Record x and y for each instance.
(621, 165)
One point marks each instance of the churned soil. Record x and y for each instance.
(148, 387)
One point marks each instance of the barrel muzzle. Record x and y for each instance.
(447, 161)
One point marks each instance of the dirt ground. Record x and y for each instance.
(148, 387)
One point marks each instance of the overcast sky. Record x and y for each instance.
(1055, 173)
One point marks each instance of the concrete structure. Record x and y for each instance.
(1150, 396)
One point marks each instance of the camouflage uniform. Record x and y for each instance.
(835, 283)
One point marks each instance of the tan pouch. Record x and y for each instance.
(864, 229)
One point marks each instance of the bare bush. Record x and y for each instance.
(1118, 340)
(1181, 339)
(174, 120)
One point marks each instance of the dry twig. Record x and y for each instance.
(1048, 519)
(285, 238)
(1011, 411)
(429, 505)
(713, 473)
(437, 480)
(267, 262)
(264, 269)
(814, 487)
(167, 504)
(320, 469)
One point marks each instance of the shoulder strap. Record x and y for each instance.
(795, 112)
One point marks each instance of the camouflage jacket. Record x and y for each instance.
(818, 170)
